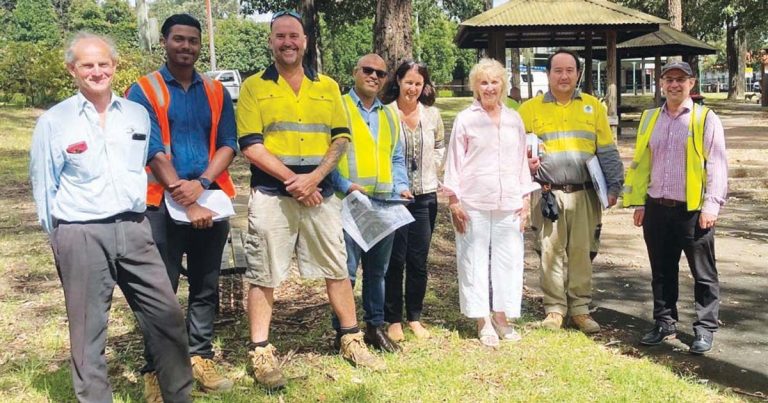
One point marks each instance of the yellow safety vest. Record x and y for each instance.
(639, 174)
(368, 162)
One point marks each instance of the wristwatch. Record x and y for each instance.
(205, 182)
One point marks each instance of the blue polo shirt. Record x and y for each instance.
(189, 117)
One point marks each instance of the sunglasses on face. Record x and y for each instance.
(370, 70)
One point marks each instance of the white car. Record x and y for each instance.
(230, 79)
(756, 86)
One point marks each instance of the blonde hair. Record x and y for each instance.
(489, 68)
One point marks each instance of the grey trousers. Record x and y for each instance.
(91, 258)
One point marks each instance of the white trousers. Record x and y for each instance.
(498, 231)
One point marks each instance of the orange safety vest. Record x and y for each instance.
(154, 88)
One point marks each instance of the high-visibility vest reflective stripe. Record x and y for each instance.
(639, 173)
(368, 162)
(157, 94)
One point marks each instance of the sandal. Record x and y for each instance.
(488, 337)
(505, 332)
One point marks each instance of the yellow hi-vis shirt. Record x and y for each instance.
(368, 160)
(571, 134)
(296, 128)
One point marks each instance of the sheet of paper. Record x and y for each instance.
(532, 141)
(598, 180)
(369, 221)
(214, 200)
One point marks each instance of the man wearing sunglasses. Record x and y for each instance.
(293, 130)
(677, 183)
(375, 166)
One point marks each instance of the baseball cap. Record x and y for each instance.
(682, 66)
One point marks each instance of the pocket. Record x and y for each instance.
(322, 105)
(542, 125)
(82, 167)
(136, 151)
(273, 105)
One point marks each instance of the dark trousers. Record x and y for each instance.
(409, 253)
(668, 231)
(204, 248)
(91, 259)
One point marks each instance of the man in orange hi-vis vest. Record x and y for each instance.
(192, 142)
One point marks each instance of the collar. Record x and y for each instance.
(83, 103)
(168, 77)
(549, 97)
(686, 106)
(477, 106)
(271, 73)
(356, 99)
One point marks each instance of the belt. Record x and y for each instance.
(125, 216)
(667, 202)
(570, 188)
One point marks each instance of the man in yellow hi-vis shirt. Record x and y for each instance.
(573, 127)
(375, 166)
(293, 130)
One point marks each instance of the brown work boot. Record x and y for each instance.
(553, 321)
(152, 392)
(354, 350)
(585, 323)
(207, 377)
(266, 369)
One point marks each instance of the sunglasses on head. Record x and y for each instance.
(370, 70)
(282, 13)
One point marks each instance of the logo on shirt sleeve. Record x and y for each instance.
(588, 109)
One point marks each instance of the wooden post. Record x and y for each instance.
(611, 85)
(588, 87)
(496, 47)
(657, 80)
(764, 82)
(643, 82)
(211, 45)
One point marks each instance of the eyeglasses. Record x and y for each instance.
(679, 80)
(370, 70)
(282, 13)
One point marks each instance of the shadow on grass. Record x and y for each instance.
(55, 384)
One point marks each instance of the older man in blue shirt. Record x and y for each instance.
(89, 185)
(193, 121)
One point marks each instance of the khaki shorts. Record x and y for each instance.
(279, 226)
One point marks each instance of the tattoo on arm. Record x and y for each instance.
(332, 156)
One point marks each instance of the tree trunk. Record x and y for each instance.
(311, 20)
(735, 49)
(392, 38)
(142, 16)
(675, 10)
(515, 67)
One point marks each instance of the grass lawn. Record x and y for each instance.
(452, 366)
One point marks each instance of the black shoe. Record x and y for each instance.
(337, 342)
(702, 344)
(376, 336)
(658, 335)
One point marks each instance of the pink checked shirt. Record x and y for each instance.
(668, 143)
(487, 166)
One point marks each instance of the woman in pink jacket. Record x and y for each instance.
(487, 181)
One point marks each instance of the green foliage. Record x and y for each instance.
(433, 40)
(343, 45)
(113, 18)
(34, 21)
(133, 64)
(35, 71)
(162, 9)
(242, 45)
(463, 9)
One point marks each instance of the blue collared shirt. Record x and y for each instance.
(189, 117)
(371, 118)
(81, 172)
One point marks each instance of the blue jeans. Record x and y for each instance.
(375, 263)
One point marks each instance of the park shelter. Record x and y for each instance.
(667, 41)
(559, 23)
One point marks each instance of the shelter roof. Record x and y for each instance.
(667, 41)
(547, 23)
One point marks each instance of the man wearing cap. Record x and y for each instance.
(677, 183)
(293, 130)
(573, 127)
(89, 184)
